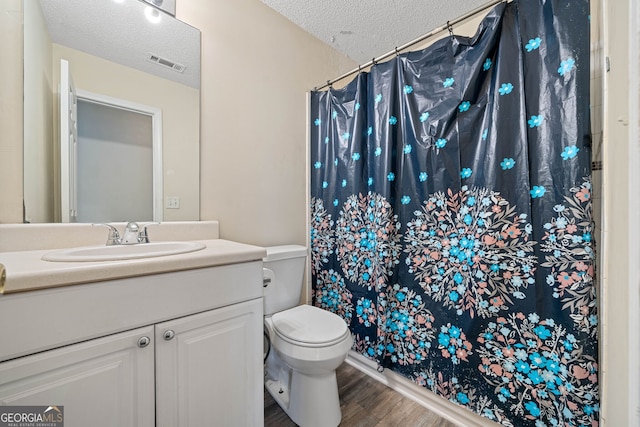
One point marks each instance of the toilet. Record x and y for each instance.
(304, 345)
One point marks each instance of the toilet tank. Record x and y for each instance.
(283, 270)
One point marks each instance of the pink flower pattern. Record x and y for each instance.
(407, 326)
(367, 240)
(471, 250)
(332, 294)
(568, 247)
(321, 234)
(540, 370)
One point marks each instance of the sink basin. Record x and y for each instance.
(122, 252)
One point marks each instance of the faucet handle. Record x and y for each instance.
(143, 235)
(114, 235)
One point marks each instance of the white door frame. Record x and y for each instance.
(68, 144)
(156, 124)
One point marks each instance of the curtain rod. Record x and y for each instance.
(448, 25)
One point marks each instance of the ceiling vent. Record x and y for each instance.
(151, 57)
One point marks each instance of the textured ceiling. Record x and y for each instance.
(120, 32)
(364, 29)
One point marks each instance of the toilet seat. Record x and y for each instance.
(309, 326)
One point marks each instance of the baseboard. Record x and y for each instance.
(436, 404)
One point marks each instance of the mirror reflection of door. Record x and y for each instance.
(110, 157)
(115, 164)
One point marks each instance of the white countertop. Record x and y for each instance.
(25, 270)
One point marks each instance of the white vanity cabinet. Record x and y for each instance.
(172, 349)
(209, 368)
(102, 382)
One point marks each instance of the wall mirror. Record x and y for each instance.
(135, 112)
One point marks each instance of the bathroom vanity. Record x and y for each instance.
(173, 346)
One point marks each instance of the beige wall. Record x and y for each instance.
(38, 121)
(11, 112)
(256, 68)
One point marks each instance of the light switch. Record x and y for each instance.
(173, 202)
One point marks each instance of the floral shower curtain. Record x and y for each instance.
(451, 219)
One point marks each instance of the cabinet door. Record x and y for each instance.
(209, 368)
(107, 381)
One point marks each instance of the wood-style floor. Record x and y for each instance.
(365, 402)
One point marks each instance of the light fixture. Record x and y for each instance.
(156, 3)
(152, 14)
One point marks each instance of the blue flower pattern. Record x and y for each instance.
(533, 44)
(535, 121)
(537, 191)
(569, 152)
(505, 89)
(566, 66)
(507, 163)
(467, 251)
(464, 106)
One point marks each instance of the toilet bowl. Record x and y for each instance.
(305, 346)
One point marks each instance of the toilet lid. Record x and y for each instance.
(310, 325)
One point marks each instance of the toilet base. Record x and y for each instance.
(279, 393)
(312, 400)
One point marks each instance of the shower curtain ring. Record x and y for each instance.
(373, 61)
(397, 53)
(329, 84)
(450, 28)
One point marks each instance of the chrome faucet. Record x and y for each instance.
(133, 234)
(130, 235)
